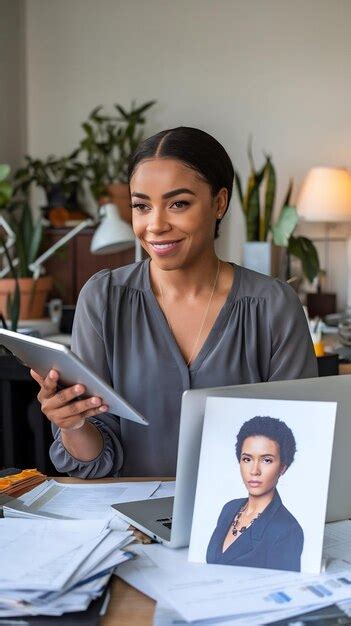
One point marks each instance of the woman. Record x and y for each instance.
(182, 319)
(259, 531)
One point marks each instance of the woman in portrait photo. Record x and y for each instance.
(258, 531)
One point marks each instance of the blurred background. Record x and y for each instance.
(270, 76)
(275, 69)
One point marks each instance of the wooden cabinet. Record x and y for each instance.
(73, 264)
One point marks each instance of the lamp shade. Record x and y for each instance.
(325, 195)
(113, 234)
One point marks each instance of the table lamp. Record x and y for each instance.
(113, 234)
(325, 197)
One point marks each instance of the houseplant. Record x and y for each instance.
(266, 241)
(21, 296)
(106, 146)
(61, 178)
(300, 247)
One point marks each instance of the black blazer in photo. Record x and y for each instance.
(275, 539)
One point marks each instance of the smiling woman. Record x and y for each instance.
(182, 319)
(258, 531)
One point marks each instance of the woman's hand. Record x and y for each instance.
(60, 407)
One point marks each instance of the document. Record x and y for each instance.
(58, 572)
(55, 566)
(165, 616)
(132, 574)
(199, 591)
(165, 490)
(27, 547)
(69, 501)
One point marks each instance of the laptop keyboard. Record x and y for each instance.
(166, 521)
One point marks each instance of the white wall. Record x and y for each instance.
(12, 82)
(274, 68)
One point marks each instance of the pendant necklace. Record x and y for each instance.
(204, 317)
(235, 522)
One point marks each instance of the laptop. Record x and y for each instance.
(168, 520)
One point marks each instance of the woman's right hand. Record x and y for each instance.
(60, 406)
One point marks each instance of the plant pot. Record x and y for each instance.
(266, 258)
(120, 196)
(32, 307)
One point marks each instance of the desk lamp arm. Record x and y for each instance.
(36, 266)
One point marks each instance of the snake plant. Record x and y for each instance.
(257, 203)
(257, 213)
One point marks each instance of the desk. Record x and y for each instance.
(127, 605)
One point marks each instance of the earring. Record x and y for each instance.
(219, 215)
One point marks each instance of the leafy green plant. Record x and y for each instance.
(61, 178)
(305, 250)
(257, 203)
(14, 301)
(108, 143)
(28, 233)
(5, 187)
(300, 247)
(13, 304)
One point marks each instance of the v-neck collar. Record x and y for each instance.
(246, 542)
(211, 339)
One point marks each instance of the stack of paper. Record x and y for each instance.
(240, 596)
(77, 501)
(55, 566)
(57, 563)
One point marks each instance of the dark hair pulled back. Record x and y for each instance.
(196, 149)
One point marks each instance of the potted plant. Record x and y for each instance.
(106, 147)
(21, 296)
(61, 179)
(269, 246)
(299, 247)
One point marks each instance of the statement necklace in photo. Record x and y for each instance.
(235, 522)
(204, 317)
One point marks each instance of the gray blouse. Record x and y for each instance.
(120, 331)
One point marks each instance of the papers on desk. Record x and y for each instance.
(165, 490)
(55, 566)
(228, 595)
(62, 545)
(165, 616)
(70, 501)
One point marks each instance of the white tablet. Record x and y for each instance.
(42, 356)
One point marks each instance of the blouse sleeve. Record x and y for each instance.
(88, 343)
(292, 349)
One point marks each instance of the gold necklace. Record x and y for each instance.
(204, 317)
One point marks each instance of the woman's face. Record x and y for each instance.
(174, 213)
(260, 465)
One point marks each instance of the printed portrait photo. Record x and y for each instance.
(260, 500)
